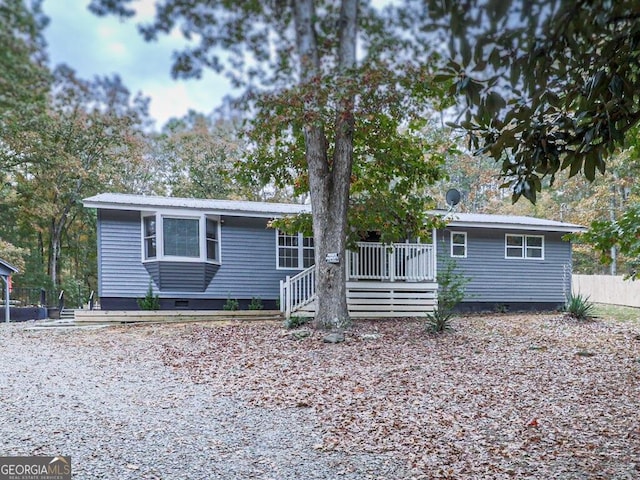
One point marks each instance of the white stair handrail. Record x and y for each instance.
(298, 291)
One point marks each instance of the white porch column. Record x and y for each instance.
(391, 259)
(434, 240)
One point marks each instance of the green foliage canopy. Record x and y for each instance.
(623, 233)
(194, 156)
(24, 78)
(255, 43)
(549, 85)
(319, 77)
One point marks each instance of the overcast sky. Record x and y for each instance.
(93, 45)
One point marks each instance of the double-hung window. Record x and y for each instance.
(294, 251)
(459, 244)
(149, 239)
(524, 246)
(170, 237)
(213, 240)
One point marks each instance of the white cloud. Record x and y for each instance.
(105, 46)
(175, 99)
(168, 100)
(145, 10)
(117, 49)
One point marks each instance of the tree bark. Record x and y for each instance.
(328, 181)
(57, 229)
(54, 254)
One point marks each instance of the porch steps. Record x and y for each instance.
(173, 316)
(67, 314)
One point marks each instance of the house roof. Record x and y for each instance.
(119, 201)
(511, 222)
(6, 268)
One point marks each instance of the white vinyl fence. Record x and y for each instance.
(612, 290)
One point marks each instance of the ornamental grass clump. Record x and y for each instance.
(579, 307)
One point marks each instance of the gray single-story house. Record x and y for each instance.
(197, 254)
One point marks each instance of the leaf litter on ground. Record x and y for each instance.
(507, 396)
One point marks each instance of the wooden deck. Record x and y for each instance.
(396, 280)
(89, 317)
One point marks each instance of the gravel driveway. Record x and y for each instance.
(104, 397)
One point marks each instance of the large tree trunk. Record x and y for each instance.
(329, 181)
(57, 229)
(329, 198)
(54, 255)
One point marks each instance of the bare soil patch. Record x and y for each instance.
(502, 396)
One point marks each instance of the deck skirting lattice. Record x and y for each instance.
(385, 299)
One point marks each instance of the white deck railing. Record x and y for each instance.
(408, 262)
(397, 262)
(297, 291)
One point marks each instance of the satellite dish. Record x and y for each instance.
(453, 197)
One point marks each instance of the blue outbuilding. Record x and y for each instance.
(6, 270)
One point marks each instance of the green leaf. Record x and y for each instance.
(495, 102)
(442, 77)
(576, 165)
(590, 166)
(465, 50)
(616, 86)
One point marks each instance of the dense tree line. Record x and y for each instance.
(63, 138)
(341, 105)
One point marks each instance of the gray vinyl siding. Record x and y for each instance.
(248, 264)
(181, 276)
(248, 261)
(495, 278)
(119, 255)
(248, 255)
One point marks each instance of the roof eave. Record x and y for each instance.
(519, 226)
(212, 211)
(8, 266)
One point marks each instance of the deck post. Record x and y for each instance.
(434, 257)
(391, 255)
(347, 264)
(287, 294)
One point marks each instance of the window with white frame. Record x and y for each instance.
(149, 239)
(308, 252)
(213, 242)
(524, 246)
(294, 251)
(171, 237)
(459, 244)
